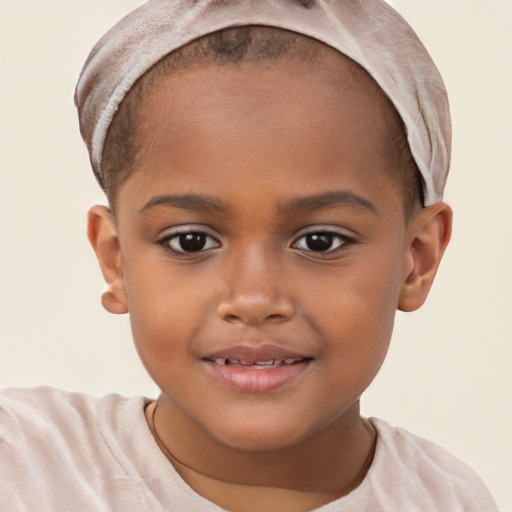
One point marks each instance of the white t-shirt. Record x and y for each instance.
(69, 452)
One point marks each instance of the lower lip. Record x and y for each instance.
(248, 380)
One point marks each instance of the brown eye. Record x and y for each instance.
(319, 242)
(190, 242)
(322, 241)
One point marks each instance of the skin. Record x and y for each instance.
(266, 145)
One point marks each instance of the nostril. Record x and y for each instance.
(255, 310)
(254, 319)
(232, 318)
(275, 318)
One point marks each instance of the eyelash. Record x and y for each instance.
(167, 240)
(341, 241)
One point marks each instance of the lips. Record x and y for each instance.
(258, 365)
(247, 353)
(256, 369)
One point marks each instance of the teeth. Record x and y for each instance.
(272, 363)
(259, 365)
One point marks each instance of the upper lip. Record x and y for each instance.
(250, 353)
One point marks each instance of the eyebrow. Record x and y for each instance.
(190, 202)
(202, 203)
(330, 199)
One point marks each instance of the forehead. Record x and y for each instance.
(308, 97)
(290, 125)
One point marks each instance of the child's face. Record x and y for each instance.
(297, 249)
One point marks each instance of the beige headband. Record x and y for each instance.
(368, 31)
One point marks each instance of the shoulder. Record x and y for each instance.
(101, 448)
(42, 408)
(48, 436)
(422, 470)
(44, 418)
(42, 423)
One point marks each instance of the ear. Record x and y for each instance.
(103, 237)
(428, 235)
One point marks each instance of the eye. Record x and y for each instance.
(322, 241)
(189, 242)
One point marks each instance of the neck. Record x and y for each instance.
(315, 471)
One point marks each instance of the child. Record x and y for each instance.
(274, 171)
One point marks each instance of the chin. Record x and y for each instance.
(260, 436)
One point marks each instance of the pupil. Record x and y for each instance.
(319, 242)
(191, 242)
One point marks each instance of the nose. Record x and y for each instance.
(255, 294)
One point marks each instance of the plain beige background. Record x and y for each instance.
(448, 374)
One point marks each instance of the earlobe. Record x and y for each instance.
(113, 301)
(429, 234)
(105, 242)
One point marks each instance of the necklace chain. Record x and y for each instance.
(172, 459)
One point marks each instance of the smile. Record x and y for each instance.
(257, 365)
(257, 370)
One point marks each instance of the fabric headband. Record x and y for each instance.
(370, 32)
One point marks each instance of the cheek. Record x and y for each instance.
(167, 310)
(361, 296)
(354, 309)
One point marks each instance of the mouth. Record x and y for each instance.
(259, 365)
(256, 369)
